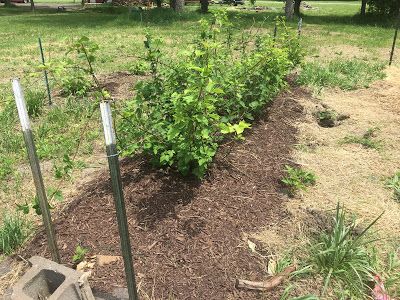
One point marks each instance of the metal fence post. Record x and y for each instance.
(35, 167)
(113, 163)
(299, 26)
(394, 39)
(46, 80)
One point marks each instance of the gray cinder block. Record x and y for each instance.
(51, 281)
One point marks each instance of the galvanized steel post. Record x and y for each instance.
(299, 26)
(113, 163)
(35, 167)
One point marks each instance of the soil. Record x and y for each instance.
(189, 237)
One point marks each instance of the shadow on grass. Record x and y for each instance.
(121, 16)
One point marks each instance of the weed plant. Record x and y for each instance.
(367, 139)
(341, 256)
(13, 232)
(393, 183)
(297, 179)
(79, 254)
(34, 103)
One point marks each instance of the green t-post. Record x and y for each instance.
(113, 163)
(35, 167)
(46, 79)
(394, 39)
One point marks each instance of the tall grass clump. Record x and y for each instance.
(345, 74)
(341, 256)
(13, 232)
(393, 183)
(210, 93)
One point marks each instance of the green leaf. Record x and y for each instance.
(24, 208)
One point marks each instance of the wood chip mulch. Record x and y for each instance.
(188, 237)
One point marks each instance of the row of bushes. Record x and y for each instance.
(207, 94)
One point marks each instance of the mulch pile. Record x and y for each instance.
(188, 236)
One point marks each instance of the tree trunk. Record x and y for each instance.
(32, 5)
(83, 2)
(297, 7)
(363, 7)
(179, 4)
(158, 2)
(289, 9)
(204, 6)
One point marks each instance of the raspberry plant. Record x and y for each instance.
(208, 94)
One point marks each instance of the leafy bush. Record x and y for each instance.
(297, 179)
(345, 74)
(13, 232)
(341, 257)
(210, 93)
(71, 73)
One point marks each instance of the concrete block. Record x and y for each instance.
(51, 281)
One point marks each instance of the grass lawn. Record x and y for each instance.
(121, 35)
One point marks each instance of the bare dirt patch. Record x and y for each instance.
(189, 237)
(120, 84)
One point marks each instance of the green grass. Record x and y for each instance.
(368, 139)
(345, 74)
(13, 232)
(393, 183)
(120, 35)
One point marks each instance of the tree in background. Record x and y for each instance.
(289, 9)
(363, 7)
(297, 4)
(204, 6)
(7, 3)
(158, 3)
(178, 5)
(384, 7)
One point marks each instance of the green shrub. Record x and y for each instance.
(73, 72)
(345, 74)
(297, 179)
(210, 93)
(340, 255)
(13, 232)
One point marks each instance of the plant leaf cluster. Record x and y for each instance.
(210, 93)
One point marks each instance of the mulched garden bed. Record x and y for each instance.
(188, 236)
